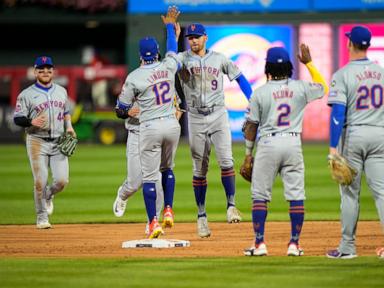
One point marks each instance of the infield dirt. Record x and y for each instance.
(227, 240)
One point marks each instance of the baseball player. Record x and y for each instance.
(43, 109)
(152, 86)
(277, 110)
(133, 182)
(356, 98)
(202, 82)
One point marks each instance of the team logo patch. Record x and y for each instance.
(333, 84)
(333, 94)
(193, 27)
(18, 107)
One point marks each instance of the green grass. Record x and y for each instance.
(220, 272)
(97, 171)
(95, 174)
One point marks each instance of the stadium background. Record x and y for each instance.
(94, 45)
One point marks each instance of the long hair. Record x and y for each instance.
(279, 70)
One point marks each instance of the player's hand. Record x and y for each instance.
(40, 121)
(172, 14)
(178, 114)
(71, 131)
(134, 112)
(304, 55)
(333, 151)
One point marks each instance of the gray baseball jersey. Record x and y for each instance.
(205, 86)
(42, 143)
(207, 117)
(359, 86)
(278, 107)
(35, 101)
(153, 87)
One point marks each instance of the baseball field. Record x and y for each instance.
(84, 247)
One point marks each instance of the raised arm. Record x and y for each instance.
(306, 59)
(170, 21)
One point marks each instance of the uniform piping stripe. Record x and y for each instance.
(259, 209)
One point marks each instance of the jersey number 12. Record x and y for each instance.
(161, 91)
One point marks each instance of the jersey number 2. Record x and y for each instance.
(161, 91)
(283, 120)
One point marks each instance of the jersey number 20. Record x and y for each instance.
(375, 93)
(161, 91)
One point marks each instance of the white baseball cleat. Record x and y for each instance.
(258, 250)
(202, 227)
(43, 225)
(233, 215)
(49, 205)
(119, 205)
(294, 250)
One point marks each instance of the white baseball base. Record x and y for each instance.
(156, 243)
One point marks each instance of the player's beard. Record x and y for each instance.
(46, 81)
(196, 48)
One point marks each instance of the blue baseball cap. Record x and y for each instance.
(277, 55)
(149, 48)
(43, 61)
(195, 29)
(359, 35)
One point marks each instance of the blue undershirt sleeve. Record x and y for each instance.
(336, 123)
(244, 86)
(171, 38)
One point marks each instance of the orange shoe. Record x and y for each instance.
(380, 252)
(154, 229)
(168, 217)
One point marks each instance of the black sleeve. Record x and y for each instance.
(22, 121)
(180, 93)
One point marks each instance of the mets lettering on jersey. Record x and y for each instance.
(47, 104)
(205, 69)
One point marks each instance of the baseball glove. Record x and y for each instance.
(67, 144)
(184, 74)
(246, 168)
(341, 171)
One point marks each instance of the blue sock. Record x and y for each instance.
(259, 215)
(296, 213)
(149, 191)
(200, 189)
(228, 180)
(168, 182)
